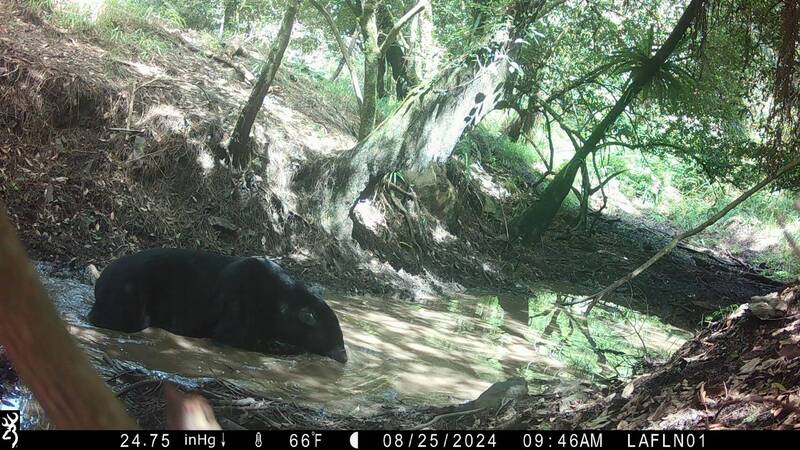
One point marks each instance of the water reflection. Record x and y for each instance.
(443, 351)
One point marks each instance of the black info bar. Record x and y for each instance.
(372, 439)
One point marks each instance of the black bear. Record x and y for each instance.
(249, 303)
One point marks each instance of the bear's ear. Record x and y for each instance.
(307, 317)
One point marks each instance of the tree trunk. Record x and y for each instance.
(424, 129)
(228, 11)
(422, 52)
(524, 122)
(381, 87)
(373, 58)
(536, 219)
(586, 188)
(239, 146)
(369, 32)
(397, 60)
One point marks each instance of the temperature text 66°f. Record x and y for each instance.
(305, 440)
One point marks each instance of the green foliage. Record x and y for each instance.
(679, 194)
(70, 16)
(384, 106)
(669, 191)
(338, 92)
(117, 24)
(39, 6)
(672, 80)
(460, 25)
(718, 314)
(130, 24)
(196, 14)
(487, 144)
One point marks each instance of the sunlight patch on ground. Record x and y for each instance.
(206, 160)
(164, 117)
(369, 215)
(441, 235)
(145, 70)
(618, 202)
(762, 238)
(487, 183)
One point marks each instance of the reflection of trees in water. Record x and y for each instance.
(596, 347)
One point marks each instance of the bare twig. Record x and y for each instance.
(392, 35)
(348, 59)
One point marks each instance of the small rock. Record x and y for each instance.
(222, 223)
(770, 306)
(48, 193)
(92, 274)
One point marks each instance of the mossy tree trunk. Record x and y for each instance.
(239, 147)
(229, 8)
(536, 219)
(424, 129)
(421, 58)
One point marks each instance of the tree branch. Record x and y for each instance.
(604, 182)
(392, 35)
(573, 135)
(348, 58)
(589, 77)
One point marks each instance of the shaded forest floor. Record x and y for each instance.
(101, 155)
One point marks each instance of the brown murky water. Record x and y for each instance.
(442, 351)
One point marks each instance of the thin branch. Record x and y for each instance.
(604, 182)
(348, 59)
(573, 135)
(392, 35)
(350, 47)
(602, 190)
(550, 142)
(646, 145)
(589, 77)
